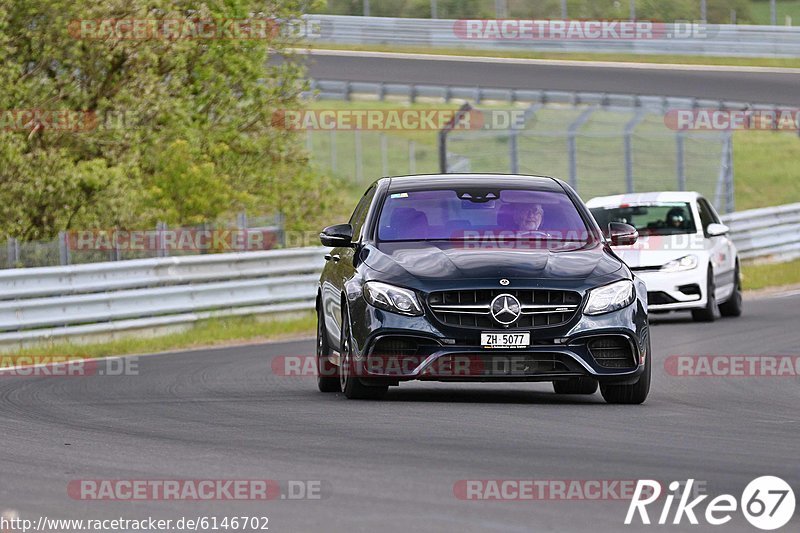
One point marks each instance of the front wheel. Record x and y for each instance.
(707, 313)
(352, 386)
(327, 373)
(733, 306)
(635, 393)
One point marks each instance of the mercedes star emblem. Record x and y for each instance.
(505, 309)
(504, 282)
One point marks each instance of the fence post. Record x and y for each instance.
(464, 109)
(279, 222)
(572, 144)
(680, 168)
(117, 253)
(384, 154)
(629, 127)
(359, 162)
(161, 228)
(513, 150)
(63, 248)
(727, 175)
(13, 252)
(334, 161)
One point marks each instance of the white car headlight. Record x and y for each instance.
(610, 298)
(391, 298)
(687, 262)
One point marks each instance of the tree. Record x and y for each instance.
(164, 128)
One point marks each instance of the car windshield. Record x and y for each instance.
(664, 218)
(467, 214)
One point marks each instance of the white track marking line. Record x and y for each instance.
(551, 62)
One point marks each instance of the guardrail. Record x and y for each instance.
(346, 90)
(671, 39)
(103, 298)
(52, 303)
(768, 234)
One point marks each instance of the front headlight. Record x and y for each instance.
(609, 298)
(391, 298)
(687, 262)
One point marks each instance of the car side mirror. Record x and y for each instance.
(622, 234)
(715, 230)
(337, 235)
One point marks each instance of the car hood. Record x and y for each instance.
(451, 260)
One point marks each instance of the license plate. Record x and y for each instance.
(505, 340)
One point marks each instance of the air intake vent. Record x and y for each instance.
(612, 352)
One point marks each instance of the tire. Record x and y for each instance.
(583, 385)
(352, 386)
(733, 306)
(709, 312)
(635, 393)
(327, 372)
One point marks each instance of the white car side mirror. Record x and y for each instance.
(715, 230)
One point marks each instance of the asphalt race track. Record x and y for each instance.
(771, 86)
(391, 465)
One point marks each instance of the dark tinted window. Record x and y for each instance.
(450, 214)
(360, 213)
(707, 214)
(665, 218)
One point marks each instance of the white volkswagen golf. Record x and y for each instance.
(684, 254)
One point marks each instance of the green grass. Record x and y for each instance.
(771, 275)
(766, 168)
(765, 163)
(212, 332)
(759, 11)
(627, 58)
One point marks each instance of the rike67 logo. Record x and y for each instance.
(767, 502)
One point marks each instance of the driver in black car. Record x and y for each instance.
(529, 217)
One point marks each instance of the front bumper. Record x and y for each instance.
(447, 353)
(672, 291)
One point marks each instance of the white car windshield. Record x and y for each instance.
(663, 218)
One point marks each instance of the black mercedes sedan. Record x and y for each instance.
(480, 278)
